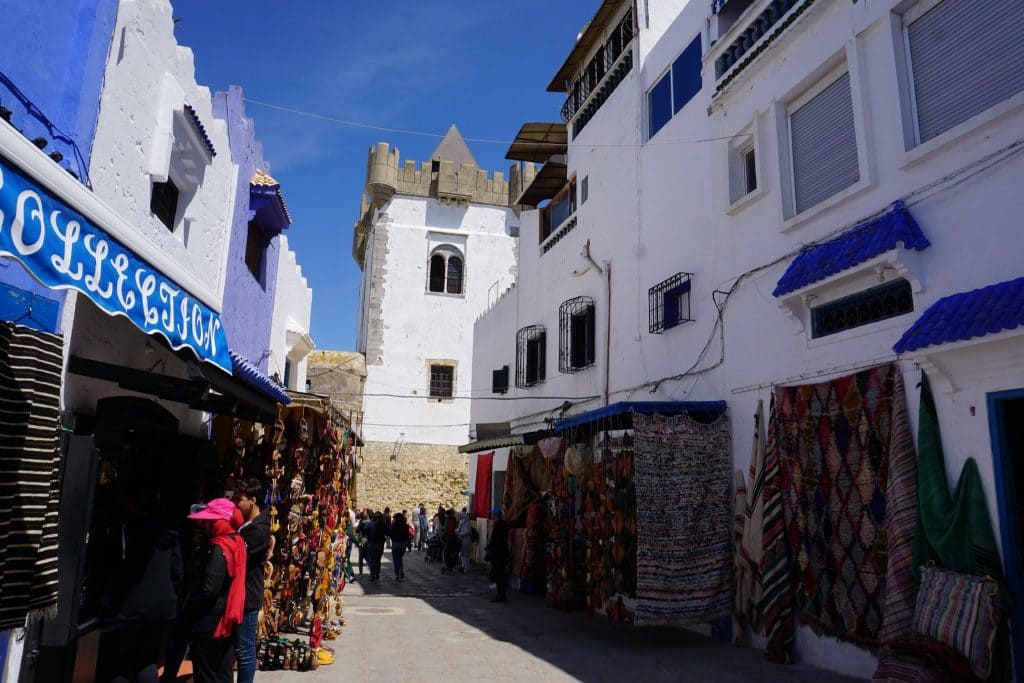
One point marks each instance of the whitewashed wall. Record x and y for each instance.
(420, 326)
(663, 207)
(148, 77)
(293, 303)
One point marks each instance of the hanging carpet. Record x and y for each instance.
(684, 520)
(848, 481)
(30, 379)
(482, 491)
(749, 552)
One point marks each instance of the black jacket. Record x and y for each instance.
(380, 531)
(209, 595)
(498, 547)
(400, 530)
(148, 580)
(256, 535)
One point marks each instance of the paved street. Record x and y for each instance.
(434, 628)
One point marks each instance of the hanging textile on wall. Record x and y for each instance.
(482, 492)
(30, 379)
(776, 605)
(848, 477)
(749, 555)
(684, 544)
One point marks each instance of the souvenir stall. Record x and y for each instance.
(304, 461)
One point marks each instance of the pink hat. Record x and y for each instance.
(218, 508)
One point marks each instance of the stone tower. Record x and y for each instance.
(437, 242)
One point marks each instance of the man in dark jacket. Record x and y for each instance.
(497, 551)
(255, 531)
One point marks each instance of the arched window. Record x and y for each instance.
(454, 275)
(447, 271)
(437, 273)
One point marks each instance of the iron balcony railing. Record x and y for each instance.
(602, 74)
(748, 44)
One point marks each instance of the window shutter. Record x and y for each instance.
(966, 55)
(686, 80)
(824, 145)
(542, 343)
(659, 102)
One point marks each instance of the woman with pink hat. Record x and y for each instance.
(215, 605)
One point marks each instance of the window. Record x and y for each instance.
(441, 381)
(163, 202)
(863, 308)
(576, 323)
(669, 303)
(965, 56)
(289, 371)
(676, 88)
(742, 168)
(557, 211)
(446, 271)
(499, 380)
(584, 189)
(823, 144)
(255, 249)
(454, 275)
(435, 165)
(530, 355)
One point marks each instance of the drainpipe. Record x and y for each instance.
(608, 330)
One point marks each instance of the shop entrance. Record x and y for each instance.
(1006, 416)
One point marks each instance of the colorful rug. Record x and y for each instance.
(684, 520)
(844, 453)
(750, 531)
(776, 605)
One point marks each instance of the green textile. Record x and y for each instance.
(953, 533)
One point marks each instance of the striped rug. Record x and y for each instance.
(684, 520)
(30, 379)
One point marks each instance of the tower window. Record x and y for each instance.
(441, 381)
(446, 271)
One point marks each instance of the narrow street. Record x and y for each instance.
(435, 627)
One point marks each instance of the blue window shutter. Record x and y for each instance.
(686, 75)
(660, 103)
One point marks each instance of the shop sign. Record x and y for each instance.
(63, 250)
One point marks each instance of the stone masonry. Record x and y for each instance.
(418, 473)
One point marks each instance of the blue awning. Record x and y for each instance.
(895, 228)
(627, 408)
(967, 315)
(64, 250)
(266, 204)
(251, 374)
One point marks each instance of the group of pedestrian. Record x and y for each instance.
(374, 532)
(211, 614)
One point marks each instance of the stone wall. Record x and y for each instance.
(419, 473)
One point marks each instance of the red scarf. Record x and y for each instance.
(233, 547)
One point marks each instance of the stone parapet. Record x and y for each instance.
(419, 473)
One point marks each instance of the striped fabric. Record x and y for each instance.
(776, 589)
(30, 378)
(900, 521)
(961, 611)
(892, 670)
(684, 530)
(750, 548)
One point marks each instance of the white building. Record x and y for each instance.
(290, 342)
(717, 141)
(436, 243)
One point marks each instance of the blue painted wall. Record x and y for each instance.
(52, 60)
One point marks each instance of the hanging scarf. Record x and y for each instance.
(233, 548)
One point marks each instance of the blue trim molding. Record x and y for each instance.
(251, 374)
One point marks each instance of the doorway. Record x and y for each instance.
(1006, 425)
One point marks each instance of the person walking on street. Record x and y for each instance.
(362, 538)
(216, 604)
(255, 531)
(421, 526)
(497, 554)
(465, 535)
(399, 544)
(375, 546)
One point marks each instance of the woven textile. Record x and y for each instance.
(30, 378)
(844, 451)
(961, 611)
(684, 520)
(776, 584)
(750, 527)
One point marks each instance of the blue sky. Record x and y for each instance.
(483, 65)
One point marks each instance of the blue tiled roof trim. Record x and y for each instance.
(273, 194)
(246, 370)
(855, 246)
(967, 315)
(200, 129)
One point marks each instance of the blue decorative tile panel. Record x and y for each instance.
(967, 315)
(896, 227)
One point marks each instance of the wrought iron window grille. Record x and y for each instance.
(863, 308)
(576, 334)
(530, 355)
(669, 303)
(499, 380)
(441, 381)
